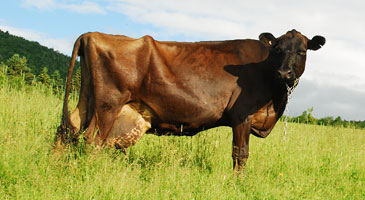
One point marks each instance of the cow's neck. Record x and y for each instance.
(264, 120)
(279, 87)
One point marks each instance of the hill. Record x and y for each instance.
(38, 56)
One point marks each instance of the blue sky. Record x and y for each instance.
(334, 80)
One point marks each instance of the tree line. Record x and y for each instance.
(38, 56)
(307, 118)
(16, 73)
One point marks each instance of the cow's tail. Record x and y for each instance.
(66, 128)
(69, 78)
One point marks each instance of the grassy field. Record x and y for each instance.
(315, 162)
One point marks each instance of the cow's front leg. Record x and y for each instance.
(241, 136)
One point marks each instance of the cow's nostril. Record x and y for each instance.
(289, 74)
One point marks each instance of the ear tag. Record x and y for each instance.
(270, 43)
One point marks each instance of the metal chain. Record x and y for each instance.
(289, 92)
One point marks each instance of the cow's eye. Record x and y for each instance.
(302, 53)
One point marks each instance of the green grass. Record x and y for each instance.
(315, 162)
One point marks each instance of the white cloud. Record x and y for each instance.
(339, 63)
(40, 4)
(228, 19)
(84, 7)
(62, 45)
(195, 19)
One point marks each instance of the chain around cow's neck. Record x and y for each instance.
(290, 90)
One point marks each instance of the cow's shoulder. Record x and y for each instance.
(247, 47)
(253, 50)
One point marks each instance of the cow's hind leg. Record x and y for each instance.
(131, 123)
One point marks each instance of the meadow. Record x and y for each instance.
(314, 162)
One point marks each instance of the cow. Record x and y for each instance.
(133, 86)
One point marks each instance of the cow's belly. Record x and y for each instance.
(162, 120)
(188, 119)
(181, 125)
(177, 113)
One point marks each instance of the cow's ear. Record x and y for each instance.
(268, 39)
(316, 42)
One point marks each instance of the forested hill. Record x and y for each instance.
(38, 56)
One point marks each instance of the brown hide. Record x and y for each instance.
(183, 84)
(130, 86)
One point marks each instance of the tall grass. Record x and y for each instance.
(315, 162)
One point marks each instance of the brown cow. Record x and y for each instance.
(130, 86)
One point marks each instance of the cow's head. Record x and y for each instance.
(290, 52)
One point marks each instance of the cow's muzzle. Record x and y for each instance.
(286, 75)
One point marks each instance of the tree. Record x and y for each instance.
(325, 121)
(306, 117)
(3, 73)
(338, 121)
(310, 119)
(303, 117)
(44, 78)
(17, 67)
(56, 80)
